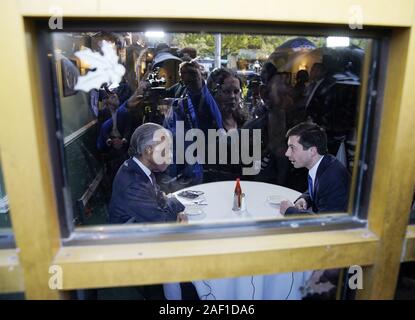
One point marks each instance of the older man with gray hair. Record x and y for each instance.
(136, 197)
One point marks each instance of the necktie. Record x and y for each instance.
(154, 182)
(153, 179)
(310, 187)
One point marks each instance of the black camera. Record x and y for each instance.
(104, 92)
(254, 81)
(157, 88)
(153, 95)
(155, 80)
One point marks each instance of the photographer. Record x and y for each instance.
(197, 110)
(177, 90)
(114, 133)
(143, 105)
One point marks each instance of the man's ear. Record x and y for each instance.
(147, 150)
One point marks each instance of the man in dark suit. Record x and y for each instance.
(328, 179)
(137, 197)
(135, 193)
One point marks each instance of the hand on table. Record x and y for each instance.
(301, 204)
(182, 218)
(285, 204)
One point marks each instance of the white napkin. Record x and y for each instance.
(186, 202)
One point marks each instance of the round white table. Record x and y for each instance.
(218, 197)
(219, 201)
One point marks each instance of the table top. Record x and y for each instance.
(218, 197)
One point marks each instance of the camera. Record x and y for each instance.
(153, 95)
(155, 80)
(104, 92)
(253, 81)
(157, 88)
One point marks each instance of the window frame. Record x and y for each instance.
(383, 250)
(366, 118)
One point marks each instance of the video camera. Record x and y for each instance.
(104, 92)
(153, 95)
(254, 81)
(157, 86)
(155, 80)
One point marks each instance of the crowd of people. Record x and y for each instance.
(295, 142)
(215, 101)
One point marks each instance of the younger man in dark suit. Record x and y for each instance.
(328, 179)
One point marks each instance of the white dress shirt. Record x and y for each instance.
(146, 170)
(313, 172)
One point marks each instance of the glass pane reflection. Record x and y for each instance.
(271, 83)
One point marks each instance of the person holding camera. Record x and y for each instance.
(114, 133)
(196, 109)
(144, 104)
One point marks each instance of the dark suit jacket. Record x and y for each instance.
(274, 169)
(124, 126)
(331, 188)
(134, 196)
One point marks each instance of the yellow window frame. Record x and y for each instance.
(28, 178)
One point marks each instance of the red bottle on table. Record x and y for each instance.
(238, 194)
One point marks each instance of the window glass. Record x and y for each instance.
(192, 127)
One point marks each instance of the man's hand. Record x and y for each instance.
(182, 218)
(285, 205)
(138, 94)
(301, 204)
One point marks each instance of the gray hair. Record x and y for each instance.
(142, 138)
